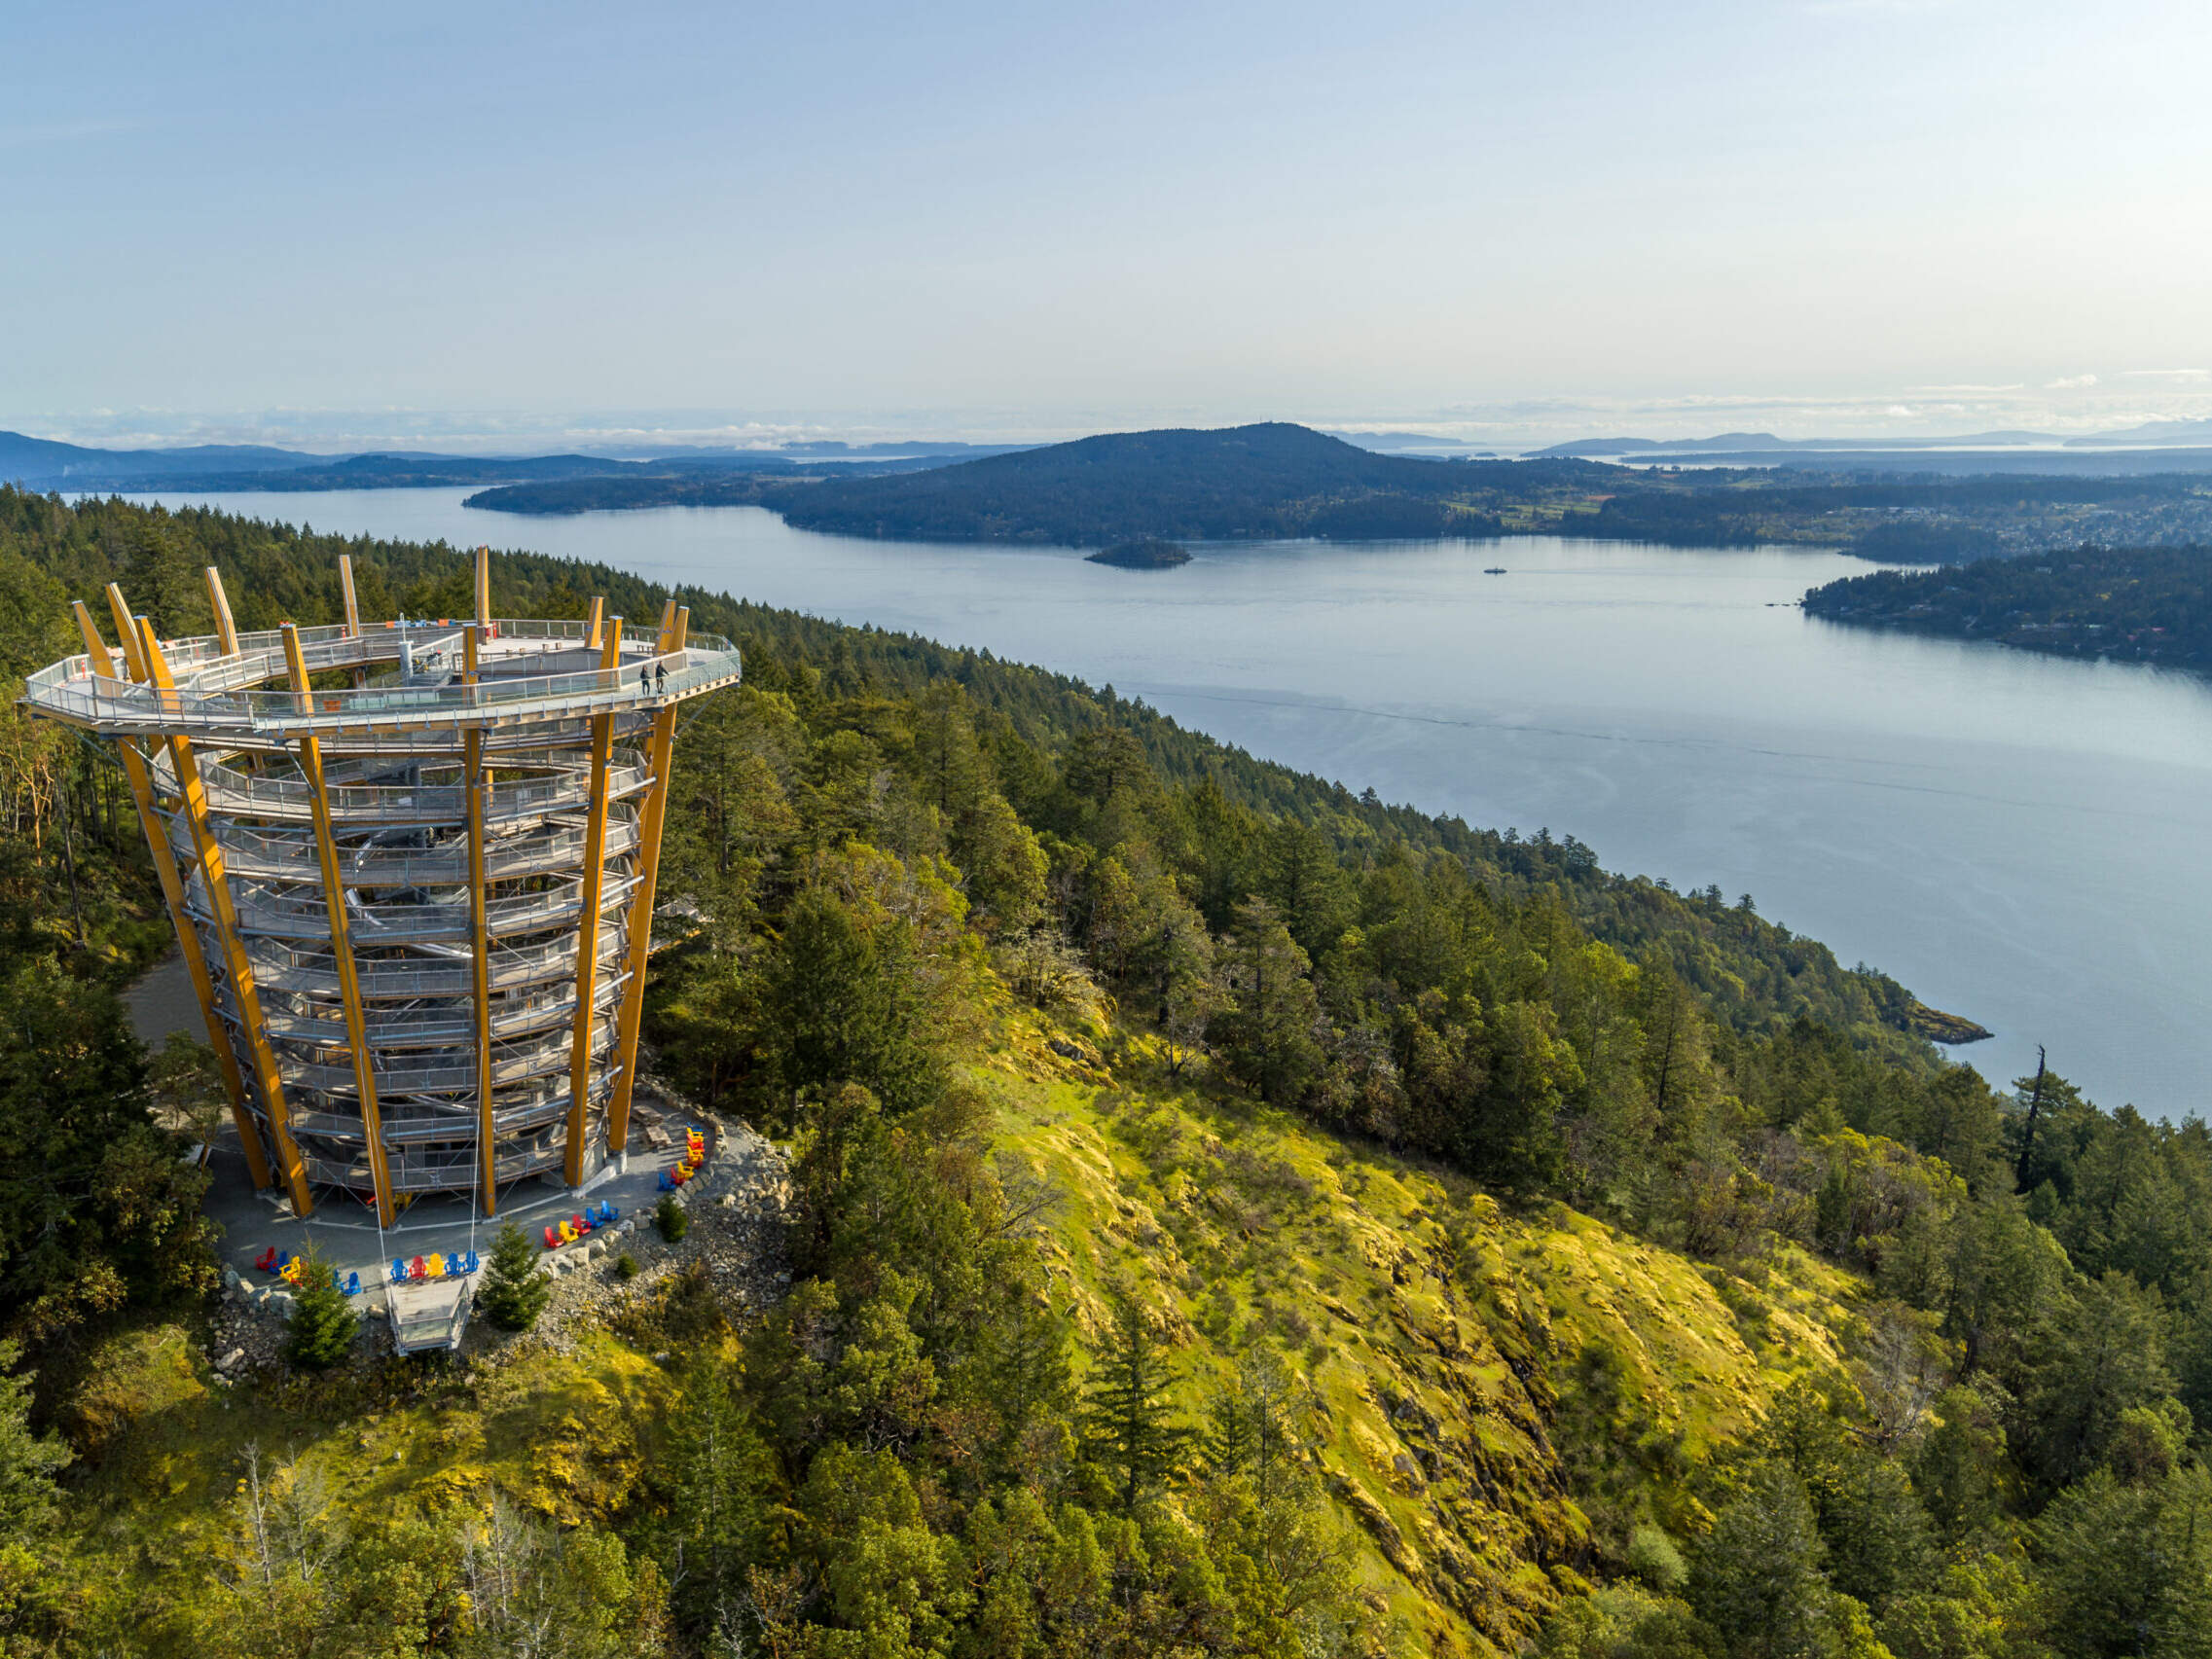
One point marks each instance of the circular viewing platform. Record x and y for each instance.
(412, 866)
(534, 676)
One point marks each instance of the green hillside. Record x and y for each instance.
(1224, 1215)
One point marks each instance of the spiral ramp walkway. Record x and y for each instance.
(413, 868)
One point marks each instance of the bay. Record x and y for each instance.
(2019, 838)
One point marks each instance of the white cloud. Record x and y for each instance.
(2070, 383)
(2169, 374)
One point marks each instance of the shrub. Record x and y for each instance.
(671, 1218)
(1653, 1558)
(515, 1292)
(625, 1266)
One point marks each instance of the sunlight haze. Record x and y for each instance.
(1841, 217)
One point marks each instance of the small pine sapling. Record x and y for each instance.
(323, 1324)
(515, 1293)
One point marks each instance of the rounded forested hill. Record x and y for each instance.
(1177, 484)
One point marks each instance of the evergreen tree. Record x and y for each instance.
(1305, 884)
(2105, 1356)
(841, 1005)
(323, 1324)
(1103, 761)
(1271, 1034)
(669, 1216)
(515, 1292)
(166, 584)
(1251, 1433)
(1128, 1421)
(1185, 980)
(28, 1462)
(2125, 1568)
(1021, 1363)
(1757, 1578)
(718, 1472)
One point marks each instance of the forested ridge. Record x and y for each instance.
(1181, 1260)
(1280, 480)
(2148, 605)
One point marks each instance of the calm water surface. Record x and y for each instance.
(2019, 838)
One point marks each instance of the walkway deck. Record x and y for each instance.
(532, 671)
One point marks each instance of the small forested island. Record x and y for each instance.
(2138, 605)
(1146, 553)
(1200, 1210)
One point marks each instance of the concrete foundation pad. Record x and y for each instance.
(345, 1231)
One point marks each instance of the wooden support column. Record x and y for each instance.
(219, 603)
(675, 623)
(352, 612)
(141, 778)
(587, 929)
(484, 587)
(477, 788)
(193, 792)
(341, 936)
(594, 620)
(345, 587)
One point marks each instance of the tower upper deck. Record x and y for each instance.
(529, 671)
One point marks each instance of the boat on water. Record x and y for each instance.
(1493, 570)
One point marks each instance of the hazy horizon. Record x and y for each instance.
(499, 225)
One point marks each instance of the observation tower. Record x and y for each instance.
(411, 869)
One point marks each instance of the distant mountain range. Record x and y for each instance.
(1731, 446)
(42, 463)
(1280, 482)
(662, 475)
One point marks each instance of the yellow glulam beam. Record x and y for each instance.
(219, 603)
(141, 780)
(476, 787)
(193, 792)
(676, 625)
(340, 937)
(352, 605)
(588, 928)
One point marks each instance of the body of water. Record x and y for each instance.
(2019, 838)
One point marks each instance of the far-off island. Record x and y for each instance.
(1146, 553)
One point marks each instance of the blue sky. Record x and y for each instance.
(359, 223)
